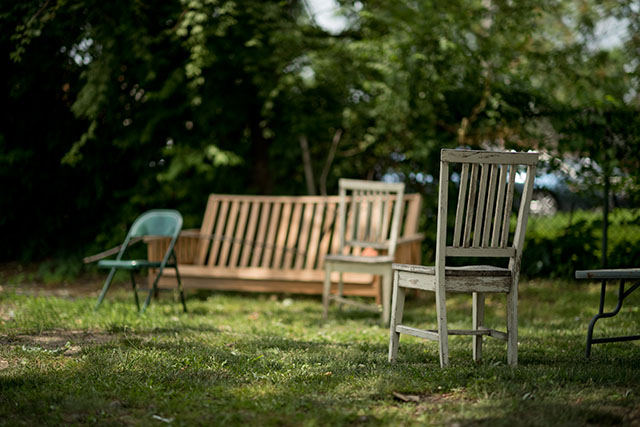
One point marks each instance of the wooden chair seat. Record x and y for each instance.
(355, 259)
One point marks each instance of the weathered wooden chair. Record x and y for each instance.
(482, 229)
(157, 222)
(367, 241)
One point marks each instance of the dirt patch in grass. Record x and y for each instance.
(57, 339)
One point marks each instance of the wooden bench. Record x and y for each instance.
(275, 244)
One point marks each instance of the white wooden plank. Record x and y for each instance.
(499, 213)
(471, 202)
(481, 206)
(462, 193)
(420, 333)
(506, 219)
(491, 201)
(490, 157)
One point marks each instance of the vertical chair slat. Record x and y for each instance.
(307, 218)
(477, 230)
(376, 218)
(329, 219)
(491, 198)
(270, 240)
(462, 193)
(229, 232)
(506, 220)
(249, 238)
(351, 234)
(283, 228)
(216, 241)
(239, 234)
(468, 223)
(387, 206)
(258, 244)
(292, 240)
(314, 241)
(495, 238)
(206, 230)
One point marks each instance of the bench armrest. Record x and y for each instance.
(408, 249)
(186, 247)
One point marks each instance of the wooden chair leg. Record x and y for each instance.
(386, 296)
(443, 334)
(478, 321)
(397, 310)
(340, 289)
(512, 326)
(325, 291)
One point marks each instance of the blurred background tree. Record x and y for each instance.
(118, 107)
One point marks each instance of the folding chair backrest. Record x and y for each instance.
(487, 182)
(156, 222)
(370, 214)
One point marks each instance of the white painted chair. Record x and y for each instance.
(481, 229)
(370, 222)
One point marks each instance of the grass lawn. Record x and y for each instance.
(239, 359)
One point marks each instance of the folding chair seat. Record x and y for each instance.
(156, 223)
(486, 193)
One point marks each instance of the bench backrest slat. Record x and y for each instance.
(293, 233)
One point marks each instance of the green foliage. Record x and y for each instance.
(260, 360)
(118, 107)
(557, 246)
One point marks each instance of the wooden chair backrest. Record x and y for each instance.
(485, 202)
(279, 232)
(371, 218)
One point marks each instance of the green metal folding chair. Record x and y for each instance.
(157, 222)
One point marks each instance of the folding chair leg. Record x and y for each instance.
(151, 291)
(135, 289)
(512, 326)
(478, 321)
(180, 290)
(386, 296)
(325, 292)
(443, 333)
(397, 310)
(105, 288)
